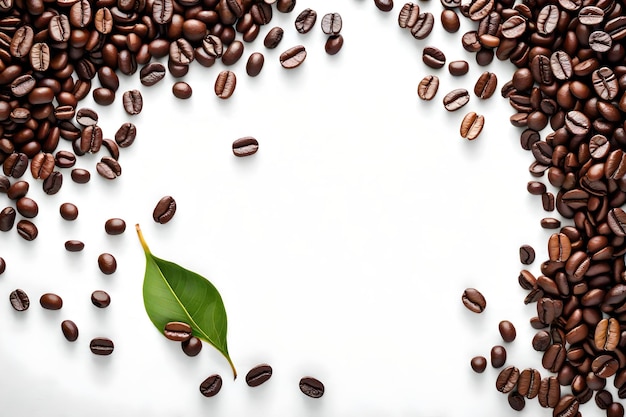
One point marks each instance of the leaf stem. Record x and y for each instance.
(232, 366)
(146, 249)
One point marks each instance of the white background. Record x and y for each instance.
(341, 249)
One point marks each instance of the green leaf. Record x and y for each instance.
(173, 293)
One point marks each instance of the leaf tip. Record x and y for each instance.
(141, 239)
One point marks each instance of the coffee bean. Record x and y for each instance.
(479, 9)
(211, 386)
(566, 407)
(19, 300)
(181, 52)
(27, 230)
(427, 88)
(433, 57)
(51, 301)
(474, 300)
(305, 20)
(547, 201)
(91, 139)
(331, 23)
(549, 392)
(233, 53)
(258, 375)
(100, 299)
(101, 346)
(605, 84)
(456, 99)
(408, 15)
(39, 56)
(605, 366)
(478, 364)
(74, 245)
(115, 226)
(255, 64)
(5, 183)
(109, 168)
(7, 219)
(181, 90)
(3, 265)
(18, 190)
(126, 135)
(107, 263)
(333, 44)
(450, 21)
(225, 84)
(311, 387)
(507, 379)
(245, 146)
(80, 175)
(470, 41)
(541, 341)
(550, 223)
(516, 401)
(273, 37)
(600, 41)
(423, 26)
(70, 330)
(293, 57)
(53, 183)
(607, 334)
(498, 356)
(486, 85)
(132, 101)
(192, 346)
(507, 331)
(554, 357)
(64, 159)
(384, 5)
(536, 187)
(103, 96)
(458, 68)
(42, 165)
(15, 164)
(604, 399)
(151, 73)
(615, 410)
(616, 220)
(471, 125)
(68, 211)
(177, 331)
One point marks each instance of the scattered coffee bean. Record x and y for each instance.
(7, 218)
(115, 226)
(458, 68)
(498, 356)
(507, 379)
(80, 175)
(331, 23)
(550, 223)
(181, 90)
(101, 346)
(293, 57)
(258, 375)
(255, 64)
(68, 211)
(18, 190)
(19, 300)
(305, 20)
(311, 387)
(211, 386)
(526, 254)
(27, 207)
(433, 57)
(85, 117)
(450, 21)
(51, 301)
(474, 300)
(471, 125)
(516, 401)
(107, 263)
(225, 84)
(177, 331)
(427, 88)
(478, 364)
(109, 168)
(384, 5)
(74, 246)
(333, 44)
(27, 230)
(100, 299)
(273, 37)
(486, 85)
(456, 99)
(507, 331)
(192, 346)
(70, 330)
(132, 101)
(245, 146)
(164, 210)
(126, 135)
(541, 341)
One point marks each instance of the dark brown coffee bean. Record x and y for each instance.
(331, 23)
(19, 300)
(470, 41)
(177, 331)
(408, 15)
(541, 341)
(474, 300)
(51, 301)
(91, 139)
(507, 331)
(293, 57)
(80, 176)
(24, 84)
(498, 356)
(233, 53)
(255, 64)
(182, 90)
(456, 99)
(100, 299)
(15, 164)
(423, 26)
(536, 187)
(471, 125)
(68, 211)
(549, 392)
(258, 375)
(225, 84)
(64, 159)
(151, 73)
(181, 52)
(427, 88)
(126, 135)
(616, 27)
(107, 263)
(554, 357)
(305, 20)
(18, 190)
(192, 346)
(132, 101)
(480, 9)
(74, 245)
(27, 207)
(211, 386)
(605, 366)
(433, 57)
(245, 146)
(384, 5)
(273, 37)
(547, 201)
(101, 346)
(604, 399)
(311, 387)
(27, 230)
(566, 407)
(115, 226)
(450, 21)
(516, 401)
(550, 223)
(507, 379)
(458, 68)
(70, 330)
(486, 85)
(333, 44)
(616, 220)
(103, 96)
(478, 364)
(164, 210)
(615, 410)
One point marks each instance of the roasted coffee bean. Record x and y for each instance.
(311, 387)
(91, 139)
(456, 99)
(69, 330)
(554, 357)
(516, 401)
(331, 23)
(68, 211)
(15, 164)
(471, 125)
(616, 220)
(182, 90)
(458, 68)
(600, 41)
(3, 265)
(27, 230)
(19, 300)
(408, 15)
(27, 207)
(305, 20)
(164, 210)
(80, 176)
(18, 190)
(423, 26)
(507, 379)
(333, 44)
(74, 245)
(39, 56)
(550, 223)
(107, 263)
(51, 301)
(103, 96)
(59, 28)
(549, 392)
(474, 300)
(181, 52)
(192, 346)
(115, 226)
(527, 280)
(498, 356)
(507, 331)
(427, 88)
(547, 201)
(64, 159)
(126, 135)
(470, 41)
(605, 83)
(109, 168)
(605, 366)
(479, 9)
(101, 346)
(132, 101)
(541, 341)
(100, 299)
(53, 183)
(486, 85)
(433, 57)
(478, 364)
(258, 375)
(225, 84)
(384, 5)
(245, 146)
(615, 410)
(177, 331)
(566, 407)
(547, 19)
(151, 73)
(604, 399)
(559, 247)
(211, 386)
(42, 165)
(233, 53)
(293, 57)
(5, 183)
(536, 187)
(450, 21)
(255, 64)
(273, 37)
